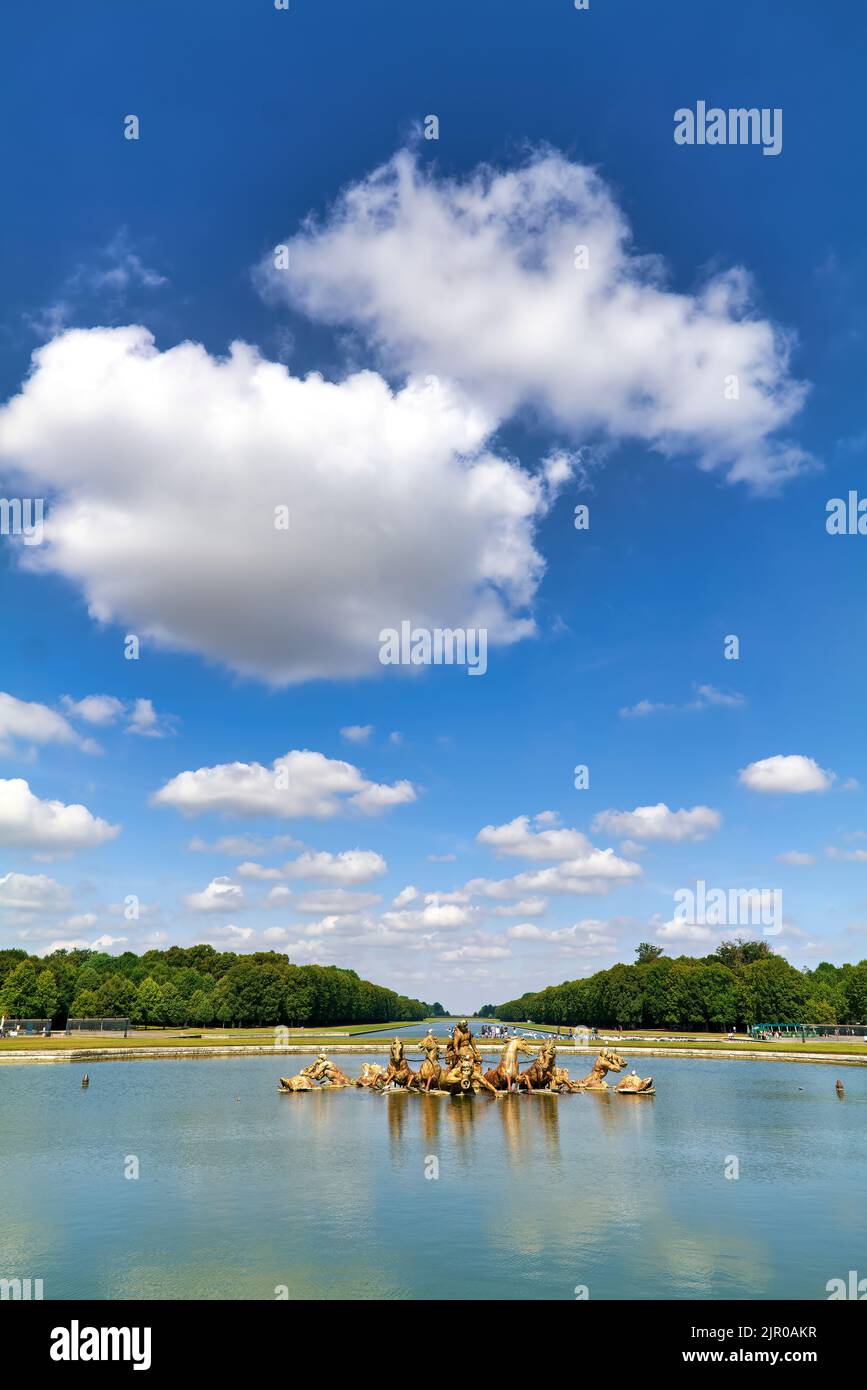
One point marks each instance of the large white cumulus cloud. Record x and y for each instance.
(300, 783)
(476, 280)
(27, 822)
(164, 469)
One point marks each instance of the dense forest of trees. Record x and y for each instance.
(742, 983)
(196, 985)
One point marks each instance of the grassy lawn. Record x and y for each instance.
(350, 1034)
(852, 1047)
(656, 1037)
(199, 1037)
(155, 1037)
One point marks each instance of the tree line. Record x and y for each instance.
(195, 985)
(738, 985)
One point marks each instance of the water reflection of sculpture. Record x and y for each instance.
(523, 1127)
(463, 1075)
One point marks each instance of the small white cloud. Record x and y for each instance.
(642, 708)
(659, 823)
(709, 695)
(357, 733)
(406, 896)
(94, 709)
(587, 936)
(257, 872)
(301, 783)
(221, 895)
(797, 858)
(143, 720)
(104, 710)
(231, 934)
(82, 921)
(596, 872)
(475, 953)
(119, 269)
(442, 916)
(334, 902)
(32, 893)
(279, 895)
(790, 774)
(105, 943)
(350, 866)
(706, 696)
(516, 838)
(677, 930)
(524, 907)
(445, 915)
(98, 288)
(244, 846)
(29, 722)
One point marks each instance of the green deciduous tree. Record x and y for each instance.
(646, 952)
(117, 997)
(856, 993)
(149, 1002)
(20, 996)
(742, 983)
(85, 1004)
(49, 994)
(201, 1009)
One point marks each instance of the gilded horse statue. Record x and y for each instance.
(609, 1060)
(539, 1075)
(505, 1075)
(463, 1074)
(398, 1072)
(430, 1072)
(544, 1075)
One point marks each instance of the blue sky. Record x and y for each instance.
(160, 467)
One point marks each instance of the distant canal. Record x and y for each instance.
(242, 1191)
(441, 1027)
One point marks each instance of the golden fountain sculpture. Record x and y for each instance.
(461, 1072)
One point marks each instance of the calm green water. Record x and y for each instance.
(242, 1189)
